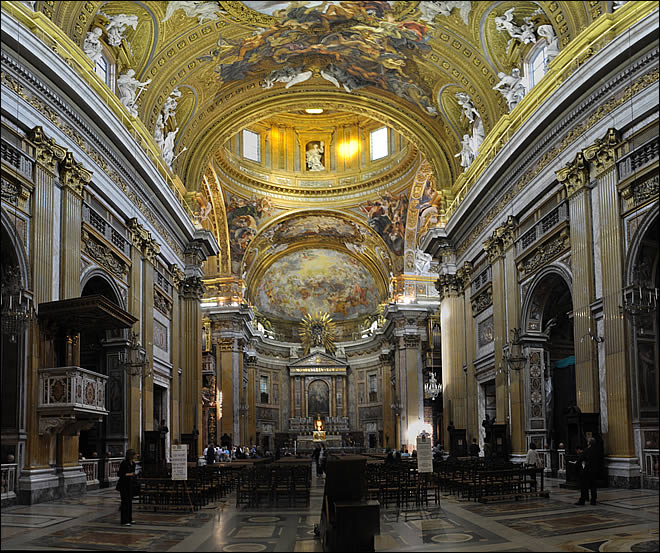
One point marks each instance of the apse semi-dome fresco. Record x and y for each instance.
(312, 280)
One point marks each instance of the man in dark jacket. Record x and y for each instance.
(589, 464)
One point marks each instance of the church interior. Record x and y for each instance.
(273, 226)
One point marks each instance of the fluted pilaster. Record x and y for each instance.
(575, 177)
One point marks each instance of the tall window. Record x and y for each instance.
(251, 145)
(263, 388)
(105, 69)
(378, 142)
(373, 388)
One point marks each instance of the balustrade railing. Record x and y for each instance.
(71, 389)
(11, 155)
(562, 459)
(558, 215)
(91, 469)
(103, 227)
(650, 462)
(8, 480)
(482, 279)
(305, 425)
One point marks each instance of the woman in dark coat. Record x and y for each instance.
(125, 486)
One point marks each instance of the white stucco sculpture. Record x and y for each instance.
(170, 105)
(129, 90)
(204, 11)
(511, 87)
(288, 75)
(429, 10)
(524, 33)
(313, 157)
(548, 33)
(469, 111)
(117, 27)
(467, 153)
(92, 44)
(168, 147)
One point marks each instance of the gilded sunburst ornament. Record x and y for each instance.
(317, 330)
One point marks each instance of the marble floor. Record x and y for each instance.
(624, 520)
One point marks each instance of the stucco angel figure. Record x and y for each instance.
(92, 44)
(168, 147)
(205, 11)
(313, 156)
(159, 137)
(170, 105)
(117, 26)
(511, 87)
(548, 33)
(524, 33)
(429, 10)
(467, 154)
(129, 90)
(288, 75)
(466, 104)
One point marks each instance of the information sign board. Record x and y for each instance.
(180, 462)
(424, 454)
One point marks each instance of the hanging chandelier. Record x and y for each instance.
(17, 309)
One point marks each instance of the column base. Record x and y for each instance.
(37, 486)
(72, 480)
(623, 472)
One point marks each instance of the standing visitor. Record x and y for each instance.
(125, 485)
(316, 456)
(589, 463)
(474, 449)
(533, 458)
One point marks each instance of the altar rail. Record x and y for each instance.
(305, 425)
(8, 480)
(71, 389)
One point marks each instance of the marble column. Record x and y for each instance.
(150, 251)
(575, 177)
(388, 399)
(178, 277)
(73, 178)
(472, 422)
(452, 323)
(619, 436)
(251, 399)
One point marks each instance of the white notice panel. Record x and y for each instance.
(180, 462)
(424, 453)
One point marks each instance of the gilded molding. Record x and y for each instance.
(47, 152)
(142, 240)
(602, 154)
(163, 304)
(178, 276)
(465, 274)
(448, 285)
(575, 176)
(482, 301)
(494, 247)
(73, 175)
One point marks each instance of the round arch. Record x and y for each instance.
(648, 221)
(108, 281)
(525, 313)
(13, 236)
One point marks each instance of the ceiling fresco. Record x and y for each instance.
(426, 70)
(317, 280)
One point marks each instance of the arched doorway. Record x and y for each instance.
(640, 305)
(13, 369)
(99, 351)
(550, 390)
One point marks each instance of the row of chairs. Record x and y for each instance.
(474, 480)
(401, 485)
(274, 484)
(204, 485)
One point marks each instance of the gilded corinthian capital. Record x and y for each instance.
(47, 153)
(73, 175)
(575, 175)
(448, 285)
(602, 154)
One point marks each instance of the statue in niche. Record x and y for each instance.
(314, 156)
(511, 87)
(92, 44)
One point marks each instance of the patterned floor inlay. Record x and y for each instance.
(31, 521)
(192, 520)
(569, 523)
(642, 542)
(120, 538)
(510, 508)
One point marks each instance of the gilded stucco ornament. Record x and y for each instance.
(73, 175)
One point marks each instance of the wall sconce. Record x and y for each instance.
(514, 360)
(134, 359)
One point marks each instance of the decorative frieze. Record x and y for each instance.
(486, 331)
(162, 303)
(73, 175)
(482, 302)
(104, 255)
(544, 254)
(448, 285)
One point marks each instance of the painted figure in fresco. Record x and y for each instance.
(386, 216)
(314, 156)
